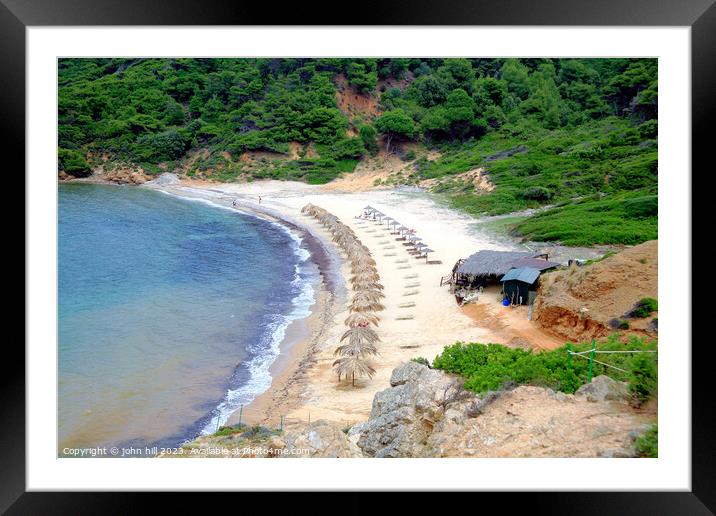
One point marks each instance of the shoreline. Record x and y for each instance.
(300, 343)
(304, 385)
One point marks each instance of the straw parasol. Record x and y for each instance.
(369, 294)
(426, 251)
(351, 366)
(367, 285)
(364, 276)
(360, 334)
(363, 304)
(361, 319)
(362, 260)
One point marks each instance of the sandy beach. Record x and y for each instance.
(420, 318)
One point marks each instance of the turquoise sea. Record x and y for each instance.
(170, 313)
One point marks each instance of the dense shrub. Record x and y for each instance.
(489, 366)
(537, 193)
(73, 163)
(644, 308)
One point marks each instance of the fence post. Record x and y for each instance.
(241, 413)
(281, 426)
(569, 356)
(591, 360)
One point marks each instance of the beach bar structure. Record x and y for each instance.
(519, 285)
(487, 267)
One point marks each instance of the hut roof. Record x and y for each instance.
(491, 263)
(535, 263)
(524, 274)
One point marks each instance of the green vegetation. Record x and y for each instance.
(421, 360)
(648, 444)
(645, 307)
(487, 367)
(576, 135)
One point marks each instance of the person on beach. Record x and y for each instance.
(233, 202)
(259, 199)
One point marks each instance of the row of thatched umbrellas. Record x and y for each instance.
(398, 229)
(360, 339)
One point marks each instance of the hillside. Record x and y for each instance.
(592, 301)
(578, 136)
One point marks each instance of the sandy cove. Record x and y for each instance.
(305, 384)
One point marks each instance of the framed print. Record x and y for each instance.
(440, 236)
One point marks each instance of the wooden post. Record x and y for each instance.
(241, 413)
(591, 360)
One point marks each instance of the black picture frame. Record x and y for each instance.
(700, 15)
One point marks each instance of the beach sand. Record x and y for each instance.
(420, 318)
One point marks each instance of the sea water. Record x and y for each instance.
(170, 313)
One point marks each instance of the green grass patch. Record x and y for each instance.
(503, 225)
(589, 221)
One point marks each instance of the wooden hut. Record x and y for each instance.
(518, 283)
(489, 267)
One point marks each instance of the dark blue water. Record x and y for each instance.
(170, 313)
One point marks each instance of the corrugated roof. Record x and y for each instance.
(491, 263)
(524, 274)
(535, 263)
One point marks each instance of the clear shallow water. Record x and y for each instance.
(170, 313)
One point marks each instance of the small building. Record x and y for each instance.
(518, 283)
(488, 267)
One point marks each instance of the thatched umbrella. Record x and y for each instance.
(367, 285)
(351, 366)
(360, 334)
(364, 276)
(361, 349)
(426, 251)
(372, 295)
(355, 250)
(328, 219)
(363, 267)
(363, 260)
(363, 304)
(361, 319)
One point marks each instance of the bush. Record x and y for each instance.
(642, 378)
(648, 444)
(644, 308)
(623, 324)
(73, 163)
(487, 367)
(537, 193)
(421, 360)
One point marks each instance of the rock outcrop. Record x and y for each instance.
(403, 416)
(426, 413)
(603, 388)
(320, 439)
